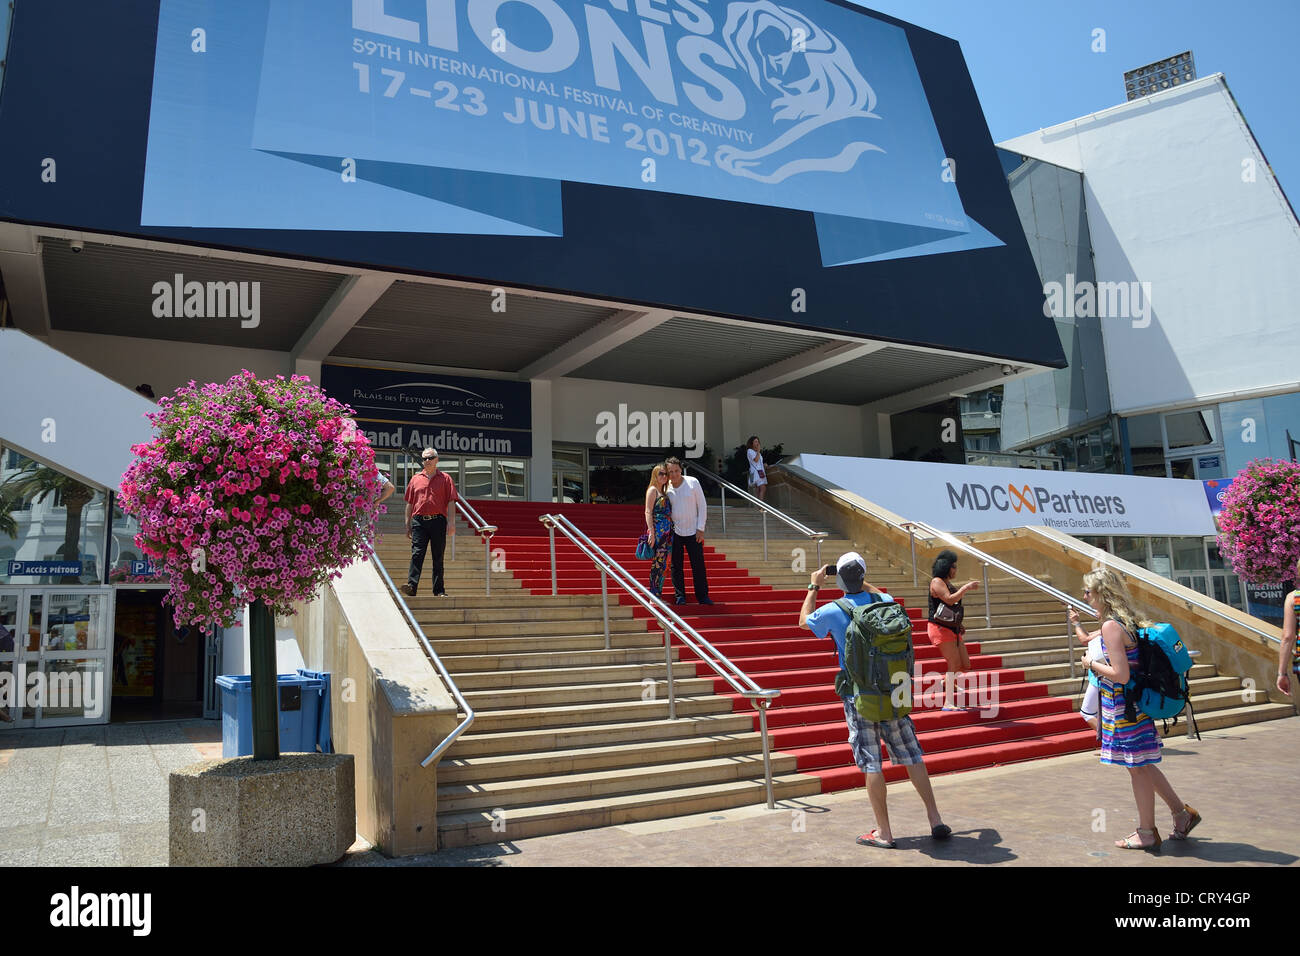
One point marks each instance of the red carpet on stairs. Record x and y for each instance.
(756, 627)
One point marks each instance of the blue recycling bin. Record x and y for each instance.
(299, 713)
(324, 736)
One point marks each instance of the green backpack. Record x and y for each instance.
(877, 660)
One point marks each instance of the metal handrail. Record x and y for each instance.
(485, 531)
(441, 668)
(767, 509)
(1161, 586)
(669, 620)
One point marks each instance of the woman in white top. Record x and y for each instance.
(757, 473)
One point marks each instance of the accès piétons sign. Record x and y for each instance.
(972, 498)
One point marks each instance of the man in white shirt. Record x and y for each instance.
(690, 511)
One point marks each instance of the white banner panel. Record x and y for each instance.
(960, 498)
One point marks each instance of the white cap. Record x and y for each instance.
(848, 558)
(850, 572)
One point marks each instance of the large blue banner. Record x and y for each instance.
(465, 116)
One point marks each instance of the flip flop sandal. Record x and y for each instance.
(871, 839)
(941, 832)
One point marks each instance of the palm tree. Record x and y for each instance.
(8, 524)
(37, 482)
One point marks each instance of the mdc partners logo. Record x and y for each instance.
(75, 909)
(1098, 300)
(1039, 501)
(651, 430)
(179, 299)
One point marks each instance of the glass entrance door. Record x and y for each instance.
(59, 661)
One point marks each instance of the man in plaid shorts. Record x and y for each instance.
(865, 737)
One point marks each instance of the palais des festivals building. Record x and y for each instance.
(526, 233)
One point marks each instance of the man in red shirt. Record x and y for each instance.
(430, 517)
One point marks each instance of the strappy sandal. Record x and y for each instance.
(1128, 843)
(873, 839)
(1193, 818)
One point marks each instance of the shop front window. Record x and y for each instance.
(51, 524)
(1162, 558)
(511, 479)
(1131, 549)
(127, 562)
(1189, 554)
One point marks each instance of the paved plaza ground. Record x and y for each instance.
(97, 796)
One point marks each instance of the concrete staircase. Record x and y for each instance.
(571, 735)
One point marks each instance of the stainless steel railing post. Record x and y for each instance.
(723, 488)
(764, 535)
(1069, 628)
(604, 602)
(555, 588)
(668, 659)
(767, 751)
(487, 565)
(911, 534)
(988, 617)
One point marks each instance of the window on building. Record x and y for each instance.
(1131, 549)
(1192, 429)
(1148, 446)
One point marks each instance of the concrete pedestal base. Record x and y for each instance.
(299, 810)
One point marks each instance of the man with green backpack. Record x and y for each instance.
(873, 639)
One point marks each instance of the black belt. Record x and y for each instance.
(431, 517)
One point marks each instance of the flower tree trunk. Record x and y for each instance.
(266, 693)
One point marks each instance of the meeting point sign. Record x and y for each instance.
(973, 498)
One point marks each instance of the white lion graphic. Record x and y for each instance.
(817, 81)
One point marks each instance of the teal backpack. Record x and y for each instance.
(1158, 685)
(878, 660)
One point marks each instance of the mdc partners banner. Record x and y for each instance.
(477, 110)
(457, 416)
(972, 498)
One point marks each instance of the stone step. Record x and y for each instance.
(527, 698)
(572, 676)
(574, 625)
(1228, 716)
(477, 743)
(437, 615)
(574, 715)
(546, 644)
(470, 663)
(587, 759)
(615, 782)
(478, 827)
(1200, 686)
(1059, 681)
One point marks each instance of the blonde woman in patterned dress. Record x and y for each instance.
(1134, 745)
(659, 527)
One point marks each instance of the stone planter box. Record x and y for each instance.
(299, 810)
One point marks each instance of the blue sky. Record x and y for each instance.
(1033, 65)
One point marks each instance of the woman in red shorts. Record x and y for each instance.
(945, 629)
